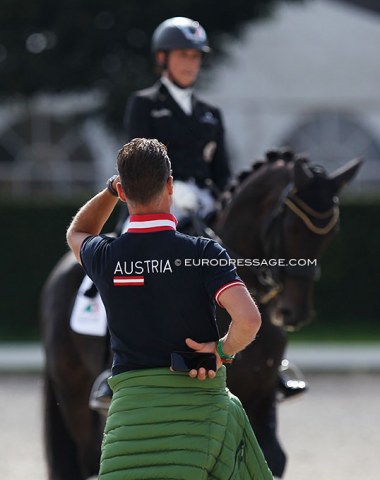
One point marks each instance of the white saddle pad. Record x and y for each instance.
(89, 315)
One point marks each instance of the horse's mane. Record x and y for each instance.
(258, 166)
(269, 176)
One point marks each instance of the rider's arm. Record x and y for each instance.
(90, 219)
(220, 169)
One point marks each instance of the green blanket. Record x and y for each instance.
(168, 426)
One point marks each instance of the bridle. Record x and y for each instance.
(319, 223)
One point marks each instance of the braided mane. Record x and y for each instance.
(271, 156)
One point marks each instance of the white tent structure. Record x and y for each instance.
(308, 77)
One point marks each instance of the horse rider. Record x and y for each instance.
(163, 310)
(170, 111)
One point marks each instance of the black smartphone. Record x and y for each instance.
(186, 361)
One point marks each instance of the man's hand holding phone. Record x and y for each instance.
(202, 373)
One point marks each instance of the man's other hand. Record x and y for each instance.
(207, 347)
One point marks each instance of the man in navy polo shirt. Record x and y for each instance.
(159, 288)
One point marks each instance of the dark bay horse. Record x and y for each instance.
(280, 214)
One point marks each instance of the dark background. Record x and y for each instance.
(77, 45)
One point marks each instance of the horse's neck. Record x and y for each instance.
(237, 230)
(240, 224)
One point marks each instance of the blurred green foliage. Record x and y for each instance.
(33, 241)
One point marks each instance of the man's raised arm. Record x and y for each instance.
(91, 218)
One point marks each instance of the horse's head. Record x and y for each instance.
(307, 220)
(283, 214)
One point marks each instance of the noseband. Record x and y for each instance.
(308, 214)
(319, 223)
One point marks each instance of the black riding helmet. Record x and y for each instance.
(179, 33)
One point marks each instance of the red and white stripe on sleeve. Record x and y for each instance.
(225, 287)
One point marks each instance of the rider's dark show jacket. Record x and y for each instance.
(195, 142)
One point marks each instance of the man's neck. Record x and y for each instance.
(155, 207)
(146, 211)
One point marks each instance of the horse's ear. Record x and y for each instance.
(346, 173)
(287, 154)
(272, 155)
(302, 173)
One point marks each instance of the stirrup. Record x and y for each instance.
(291, 381)
(101, 393)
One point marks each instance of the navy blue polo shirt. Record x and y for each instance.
(158, 286)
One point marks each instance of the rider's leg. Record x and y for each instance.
(101, 393)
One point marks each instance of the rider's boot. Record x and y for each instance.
(101, 393)
(291, 381)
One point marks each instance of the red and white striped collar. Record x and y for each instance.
(151, 222)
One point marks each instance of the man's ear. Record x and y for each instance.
(169, 185)
(120, 192)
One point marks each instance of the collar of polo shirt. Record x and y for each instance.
(151, 222)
